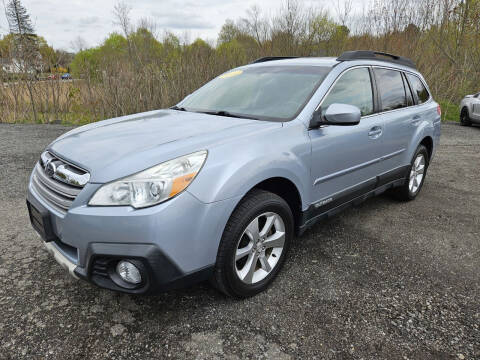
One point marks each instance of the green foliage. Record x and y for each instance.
(6, 45)
(171, 42)
(145, 44)
(450, 112)
(86, 63)
(200, 48)
(48, 54)
(137, 71)
(232, 53)
(228, 32)
(115, 44)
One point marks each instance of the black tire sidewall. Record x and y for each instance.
(464, 117)
(274, 204)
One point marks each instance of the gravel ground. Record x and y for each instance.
(383, 280)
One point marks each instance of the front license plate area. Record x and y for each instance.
(41, 222)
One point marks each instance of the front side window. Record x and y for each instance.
(353, 88)
(391, 89)
(418, 88)
(275, 93)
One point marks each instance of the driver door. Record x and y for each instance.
(346, 159)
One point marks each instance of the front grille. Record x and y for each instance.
(57, 193)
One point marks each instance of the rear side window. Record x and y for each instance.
(353, 88)
(418, 89)
(390, 87)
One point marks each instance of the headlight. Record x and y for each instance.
(151, 186)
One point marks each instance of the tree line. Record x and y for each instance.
(140, 68)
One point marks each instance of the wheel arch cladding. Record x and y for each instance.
(427, 141)
(287, 190)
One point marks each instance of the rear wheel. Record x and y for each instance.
(254, 244)
(465, 118)
(416, 176)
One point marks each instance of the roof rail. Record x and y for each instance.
(376, 55)
(271, 58)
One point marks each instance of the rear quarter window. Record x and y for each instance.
(418, 89)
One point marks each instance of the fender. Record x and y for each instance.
(283, 152)
(424, 129)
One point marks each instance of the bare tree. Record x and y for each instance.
(343, 8)
(256, 25)
(121, 11)
(79, 44)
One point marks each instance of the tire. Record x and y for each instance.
(465, 118)
(413, 183)
(249, 275)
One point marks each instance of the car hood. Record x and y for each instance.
(115, 148)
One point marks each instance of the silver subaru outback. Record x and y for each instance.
(216, 187)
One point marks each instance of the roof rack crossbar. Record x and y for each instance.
(272, 58)
(376, 55)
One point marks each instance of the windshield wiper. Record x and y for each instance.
(228, 114)
(175, 107)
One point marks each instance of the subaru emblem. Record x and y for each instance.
(50, 168)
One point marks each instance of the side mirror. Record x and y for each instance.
(336, 114)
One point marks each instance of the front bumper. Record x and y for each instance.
(175, 242)
(61, 259)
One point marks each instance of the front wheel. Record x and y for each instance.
(465, 118)
(416, 176)
(254, 244)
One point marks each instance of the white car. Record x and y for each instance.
(470, 110)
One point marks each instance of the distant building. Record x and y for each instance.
(16, 66)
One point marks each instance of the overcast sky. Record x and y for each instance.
(62, 21)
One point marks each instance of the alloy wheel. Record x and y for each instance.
(259, 248)
(416, 174)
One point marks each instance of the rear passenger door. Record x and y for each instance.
(400, 117)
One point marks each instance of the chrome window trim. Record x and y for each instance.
(336, 80)
(411, 73)
(430, 99)
(424, 84)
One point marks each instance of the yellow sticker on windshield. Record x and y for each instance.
(231, 74)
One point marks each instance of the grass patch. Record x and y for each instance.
(450, 111)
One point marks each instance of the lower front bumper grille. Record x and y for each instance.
(100, 267)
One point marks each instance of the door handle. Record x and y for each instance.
(416, 119)
(375, 132)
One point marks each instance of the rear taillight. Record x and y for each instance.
(439, 110)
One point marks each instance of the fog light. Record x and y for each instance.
(129, 272)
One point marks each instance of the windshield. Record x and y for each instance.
(260, 92)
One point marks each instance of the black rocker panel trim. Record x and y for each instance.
(352, 196)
